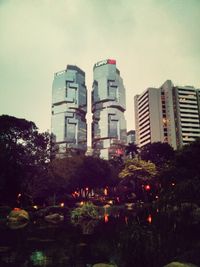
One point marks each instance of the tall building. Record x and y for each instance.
(108, 106)
(131, 137)
(69, 107)
(167, 114)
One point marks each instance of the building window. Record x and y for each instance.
(113, 126)
(70, 131)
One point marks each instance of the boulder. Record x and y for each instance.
(54, 218)
(104, 265)
(18, 215)
(180, 264)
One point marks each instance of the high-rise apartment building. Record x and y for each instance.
(108, 106)
(167, 114)
(69, 107)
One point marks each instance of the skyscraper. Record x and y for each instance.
(168, 114)
(69, 107)
(131, 137)
(108, 106)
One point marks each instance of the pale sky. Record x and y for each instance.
(152, 41)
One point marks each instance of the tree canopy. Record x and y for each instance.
(23, 153)
(180, 182)
(136, 168)
(131, 150)
(158, 153)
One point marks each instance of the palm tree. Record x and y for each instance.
(131, 150)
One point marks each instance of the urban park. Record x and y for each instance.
(140, 209)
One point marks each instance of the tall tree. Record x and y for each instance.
(136, 173)
(78, 173)
(158, 153)
(23, 154)
(181, 181)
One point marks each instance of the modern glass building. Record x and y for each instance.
(69, 107)
(108, 106)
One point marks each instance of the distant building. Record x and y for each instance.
(131, 137)
(168, 114)
(69, 107)
(108, 106)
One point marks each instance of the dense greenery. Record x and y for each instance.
(166, 227)
(27, 174)
(24, 153)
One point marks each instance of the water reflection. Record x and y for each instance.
(38, 258)
(106, 216)
(149, 219)
(120, 236)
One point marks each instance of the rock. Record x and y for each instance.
(18, 215)
(180, 264)
(104, 265)
(54, 218)
(17, 225)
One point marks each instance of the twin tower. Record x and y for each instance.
(69, 109)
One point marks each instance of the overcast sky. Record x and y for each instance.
(152, 41)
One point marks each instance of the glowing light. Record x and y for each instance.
(62, 204)
(105, 191)
(106, 218)
(147, 187)
(38, 258)
(149, 219)
(19, 195)
(173, 184)
(119, 151)
(75, 194)
(16, 209)
(35, 207)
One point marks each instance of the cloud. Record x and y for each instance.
(151, 40)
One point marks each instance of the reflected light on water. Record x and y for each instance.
(106, 217)
(38, 258)
(149, 219)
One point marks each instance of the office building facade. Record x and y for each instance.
(108, 106)
(131, 137)
(167, 114)
(69, 107)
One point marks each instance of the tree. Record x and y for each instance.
(94, 173)
(137, 173)
(180, 182)
(131, 150)
(23, 155)
(78, 174)
(158, 153)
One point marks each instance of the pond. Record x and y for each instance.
(120, 237)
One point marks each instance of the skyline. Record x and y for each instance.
(152, 41)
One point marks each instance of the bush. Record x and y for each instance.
(87, 211)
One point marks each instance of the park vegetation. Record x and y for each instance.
(155, 174)
(165, 181)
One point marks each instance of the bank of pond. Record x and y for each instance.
(85, 236)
